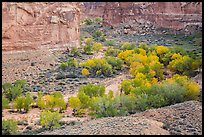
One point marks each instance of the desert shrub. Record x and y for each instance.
(5, 103)
(98, 19)
(106, 106)
(19, 103)
(125, 54)
(52, 102)
(88, 49)
(85, 72)
(112, 52)
(115, 62)
(109, 42)
(71, 62)
(97, 47)
(127, 46)
(161, 50)
(74, 102)
(172, 93)
(93, 90)
(9, 127)
(89, 41)
(178, 49)
(77, 106)
(88, 21)
(126, 86)
(50, 119)
(15, 90)
(23, 102)
(103, 107)
(97, 34)
(98, 64)
(181, 64)
(74, 51)
(110, 94)
(191, 87)
(143, 46)
(142, 102)
(84, 99)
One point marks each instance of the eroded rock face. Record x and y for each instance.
(36, 25)
(175, 15)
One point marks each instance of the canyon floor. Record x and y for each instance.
(41, 67)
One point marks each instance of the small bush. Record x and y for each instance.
(97, 47)
(23, 102)
(71, 62)
(74, 102)
(93, 90)
(52, 102)
(50, 119)
(127, 46)
(109, 42)
(13, 91)
(115, 62)
(98, 19)
(74, 51)
(85, 72)
(5, 103)
(98, 64)
(88, 21)
(9, 127)
(89, 41)
(84, 99)
(112, 52)
(88, 49)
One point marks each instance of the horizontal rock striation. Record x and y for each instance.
(36, 25)
(173, 15)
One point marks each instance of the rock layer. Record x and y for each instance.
(36, 25)
(174, 15)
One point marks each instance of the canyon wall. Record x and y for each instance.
(36, 25)
(174, 15)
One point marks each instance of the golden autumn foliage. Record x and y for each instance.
(85, 72)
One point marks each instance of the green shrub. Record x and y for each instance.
(97, 33)
(103, 107)
(50, 119)
(19, 103)
(88, 49)
(115, 62)
(77, 106)
(74, 51)
(127, 46)
(74, 102)
(171, 92)
(71, 62)
(112, 52)
(23, 102)
(97, 47)
(9, 127)
(93, 90)
(5, 103)
(98, 19)
(88, 21)
(13, 91)
(109, 42)
(181, 65)
(52, 102)
(98, 64)
(84, 99)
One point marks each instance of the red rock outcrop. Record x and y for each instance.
(175, 15)
(36, 25)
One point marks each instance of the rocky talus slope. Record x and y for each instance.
(183, 118)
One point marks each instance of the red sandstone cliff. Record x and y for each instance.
(175, 15)
(35, 25)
